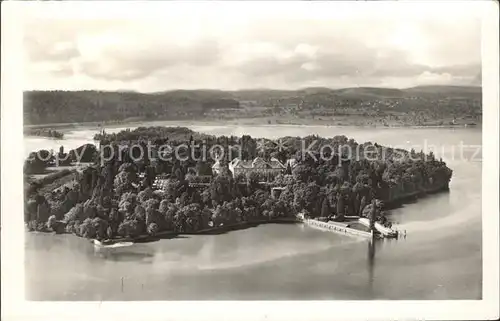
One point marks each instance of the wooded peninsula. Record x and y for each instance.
(122, 195)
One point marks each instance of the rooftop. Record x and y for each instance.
(258, 162)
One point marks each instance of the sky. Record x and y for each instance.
(150, 46)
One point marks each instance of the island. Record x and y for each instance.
(187, 182)
(43, 132)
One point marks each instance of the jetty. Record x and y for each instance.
(337, 227)
(352, 226)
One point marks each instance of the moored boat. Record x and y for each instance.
(108, 244)
(385, 231)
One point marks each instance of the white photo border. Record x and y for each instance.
(15, 307)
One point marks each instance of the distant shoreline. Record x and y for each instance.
(264, 121)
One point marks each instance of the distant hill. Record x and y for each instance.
(41, 107)
(446, 91)
(359, 92)
(370, 92)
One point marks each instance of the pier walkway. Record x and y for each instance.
(337, 227)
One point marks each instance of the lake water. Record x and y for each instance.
(439, 259)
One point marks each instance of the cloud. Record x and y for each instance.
(133, 60)
(203, 50)
(113, 50)
(434, 78)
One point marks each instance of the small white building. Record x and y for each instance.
(160, 182)
(292, 162)
(272, 167)
(216, 168)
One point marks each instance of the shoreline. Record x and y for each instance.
(409, 197)
(234, 122)
(145, 238)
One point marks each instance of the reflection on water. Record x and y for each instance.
(371, 263)
(123, 256)
(439, 259)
